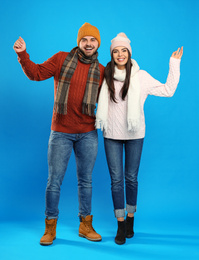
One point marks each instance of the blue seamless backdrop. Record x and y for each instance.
(168, 176)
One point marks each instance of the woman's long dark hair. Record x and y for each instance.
(109, 73)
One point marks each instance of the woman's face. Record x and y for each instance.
(120, 56)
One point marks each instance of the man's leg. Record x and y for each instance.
(85, 149)
(59, 151)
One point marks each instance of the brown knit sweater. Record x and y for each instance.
(74, 121)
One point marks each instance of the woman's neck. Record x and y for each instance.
(122, 67)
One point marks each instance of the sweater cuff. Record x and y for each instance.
(175, 63)
(22, 55)
(174, 60)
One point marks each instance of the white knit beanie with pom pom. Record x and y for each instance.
(121, 40)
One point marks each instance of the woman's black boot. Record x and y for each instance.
(121, 234)
(129, 227)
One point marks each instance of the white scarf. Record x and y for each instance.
(133, 99)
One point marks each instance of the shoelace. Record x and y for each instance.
(88, 225)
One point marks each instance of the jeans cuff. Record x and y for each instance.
(119, 213)
(131, 209)
(51, 217)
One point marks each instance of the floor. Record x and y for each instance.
(20, 240)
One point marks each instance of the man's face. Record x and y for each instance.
(88, 45)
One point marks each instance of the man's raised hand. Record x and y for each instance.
(19, 45)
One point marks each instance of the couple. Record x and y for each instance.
(78, 76)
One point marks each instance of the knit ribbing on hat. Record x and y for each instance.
(121, 40)
(88, 30)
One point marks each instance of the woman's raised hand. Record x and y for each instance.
(19, 45)
(177, 54)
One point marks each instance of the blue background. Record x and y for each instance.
(166, 222)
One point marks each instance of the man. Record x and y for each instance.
(77, 77)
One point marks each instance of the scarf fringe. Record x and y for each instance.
(133, 125)
(60, 108)
(88, 109)
(103, 125)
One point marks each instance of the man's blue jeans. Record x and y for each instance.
(114, 155)
(59, 151)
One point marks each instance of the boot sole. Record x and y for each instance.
(91, 239)
(129, 236)
(47, 243)
(120, 243)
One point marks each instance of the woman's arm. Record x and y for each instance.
(156, 88)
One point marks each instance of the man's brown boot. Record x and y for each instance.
(86, 229)
(50, 232)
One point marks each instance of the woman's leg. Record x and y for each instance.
(133, 151)
(114, 156)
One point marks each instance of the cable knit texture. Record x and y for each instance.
(116, 125)
(74, 121)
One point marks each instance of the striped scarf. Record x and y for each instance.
(92, 85)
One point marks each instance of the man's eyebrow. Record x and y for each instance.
(91, 38)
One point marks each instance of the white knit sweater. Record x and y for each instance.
(117, 112)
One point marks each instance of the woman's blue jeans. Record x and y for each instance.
(59, 151)
(114, 155)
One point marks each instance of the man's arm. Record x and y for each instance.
(34, 71)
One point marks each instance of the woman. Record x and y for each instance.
(120, 115)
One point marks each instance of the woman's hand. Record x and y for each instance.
(19, 45)
(177, 54)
